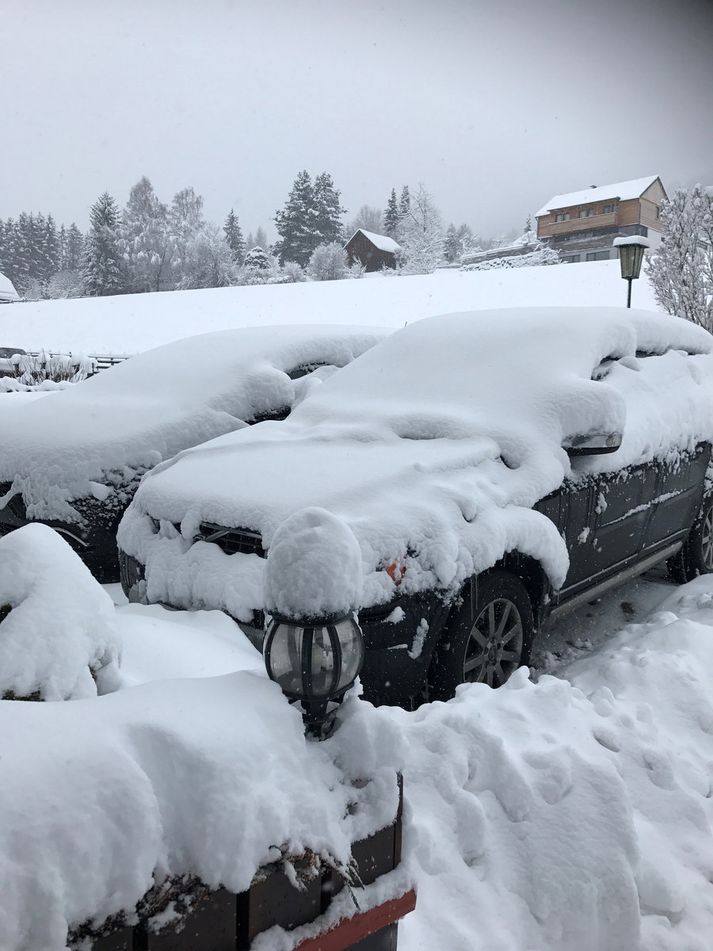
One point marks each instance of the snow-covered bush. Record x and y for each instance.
(292, 273)
(58, 639)
(681, 268)
(328, 262)
(31, 370)
(543, 255)
(258, 268)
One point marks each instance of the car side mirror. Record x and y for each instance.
(593, 444)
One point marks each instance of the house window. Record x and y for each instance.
(608, 210)
(597, 255)
(582, 212)
(560, 216)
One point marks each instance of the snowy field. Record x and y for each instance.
(136, 322)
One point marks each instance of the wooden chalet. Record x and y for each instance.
(374, 251)
(583, 225)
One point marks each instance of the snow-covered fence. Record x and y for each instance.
(332, 907)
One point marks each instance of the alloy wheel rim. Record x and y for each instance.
(707, 540)
(494, 647)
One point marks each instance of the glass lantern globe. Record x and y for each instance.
(630, 258)
(314, 662)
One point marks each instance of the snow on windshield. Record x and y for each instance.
(432, 448)
(116, 425)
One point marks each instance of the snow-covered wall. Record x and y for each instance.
(137, 322)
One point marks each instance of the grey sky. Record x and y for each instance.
(493, 106)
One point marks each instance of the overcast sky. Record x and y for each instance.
(494, 106)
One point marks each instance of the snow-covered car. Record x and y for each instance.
(462, 482)
(74, 462)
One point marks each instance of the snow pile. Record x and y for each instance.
(314, 559)
(133, 323)
(212, 777)
(432, 449)
(565, 814)
(113, 427)
(59, 640)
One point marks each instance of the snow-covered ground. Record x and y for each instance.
(136, 322)
(569, 812)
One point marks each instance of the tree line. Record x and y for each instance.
(149, 245)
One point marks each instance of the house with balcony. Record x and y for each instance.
(582, 225)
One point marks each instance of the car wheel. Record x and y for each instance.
(696, 556)
(486, 641)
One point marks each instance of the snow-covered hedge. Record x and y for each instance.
(533, 259)
(58, 639)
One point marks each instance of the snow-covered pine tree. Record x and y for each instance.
(74, 249)
(328, 210)
(404, 202)
(250, 241)
(681, 268)
(391, 215)
(103, 271)
(146, 242)
(296, 223)
(257, 267)
(260, 239)
(452, 246)
(234, 237)
(62, 248)
(48, 263)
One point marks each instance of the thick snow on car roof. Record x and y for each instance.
(437, 442)
(151, 406)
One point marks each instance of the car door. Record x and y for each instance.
(577, 508)
(623, 504)
(679, 493)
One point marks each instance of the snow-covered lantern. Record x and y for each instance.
(631, 254)
(314, 647)
(314, 662)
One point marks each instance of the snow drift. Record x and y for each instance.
(59, 639)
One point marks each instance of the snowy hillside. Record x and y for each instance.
(136, 322)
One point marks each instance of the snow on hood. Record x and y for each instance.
(433, 448)
(127, 419)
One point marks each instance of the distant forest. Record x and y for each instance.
(151, 246)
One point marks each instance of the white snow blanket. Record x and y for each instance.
(132, 323)
(429, 451)
(92, 439)
(59, 641)
(569, 814)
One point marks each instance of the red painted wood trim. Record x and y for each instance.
(347, 932)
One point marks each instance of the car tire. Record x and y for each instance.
(696, 556)
(486, 641)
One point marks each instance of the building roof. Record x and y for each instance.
(621, 190)
(7, 290)
(380, 241)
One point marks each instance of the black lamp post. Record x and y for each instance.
(314, 661)
(631, 253)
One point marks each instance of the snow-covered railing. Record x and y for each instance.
(299, 904)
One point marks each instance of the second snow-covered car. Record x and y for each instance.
(461, 482)
(74, 461)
